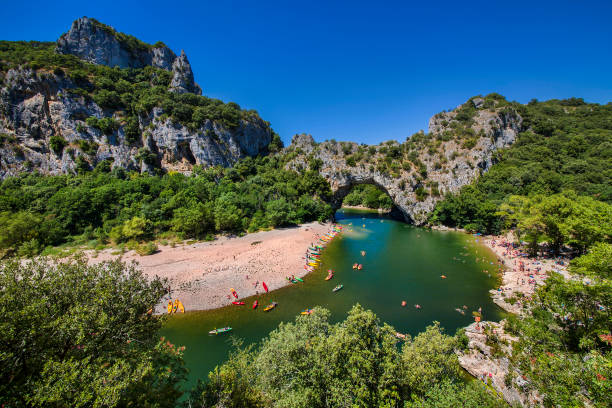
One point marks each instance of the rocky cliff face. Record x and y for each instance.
(418, 173)
(46, 116)
(100, 44)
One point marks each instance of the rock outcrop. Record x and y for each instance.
(100, 44)
(418, 173)
(182, 79)
(487, 359)
(48, 115)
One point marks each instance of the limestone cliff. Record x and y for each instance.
(460, 145)
(68, 114)
(100, 44)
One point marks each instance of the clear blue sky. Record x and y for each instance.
(367, 72)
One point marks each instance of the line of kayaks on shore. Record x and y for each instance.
(176, 306)
(313, 258)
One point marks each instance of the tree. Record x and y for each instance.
(430, 359)
(193, 221)
(78, 335)
(448, 394)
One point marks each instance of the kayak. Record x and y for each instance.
(238, 303)
(359, 266)
(337, 288)
(175, 307)
(255, 303)
(299, 279)
(270, 306)
(181, 308)
(328, 277)
(222, 330)
(291, 280)
(234, 293)
(264, 286)
(169, 307)
(307, 311)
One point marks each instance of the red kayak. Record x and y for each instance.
(234, 293)
(265, 286)
(238, 303)
(255, 303)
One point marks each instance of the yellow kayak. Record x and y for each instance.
(181, 308)
(175, 307)
(313, 264)
(169, 307)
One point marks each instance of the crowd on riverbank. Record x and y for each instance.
(520, 274)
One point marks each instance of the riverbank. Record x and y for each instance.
(521, 275)
(201, 274)
(362, 207)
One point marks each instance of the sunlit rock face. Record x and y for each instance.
(37, 106)
(418, 173)
(100, 44)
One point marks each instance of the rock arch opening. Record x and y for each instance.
(366, 194)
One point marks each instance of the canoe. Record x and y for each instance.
(264, 286)
(169, 307)
(270, 306)
(222, 330)
(238, 303)
(307, 311)
(337, 288)
(181, 308)
(255, 303)
(175, 306)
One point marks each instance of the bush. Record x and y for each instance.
(57, 144)
(146, 248)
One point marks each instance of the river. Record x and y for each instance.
(402, 262)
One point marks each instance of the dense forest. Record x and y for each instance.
(129, 209)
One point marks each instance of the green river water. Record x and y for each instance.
(402, 262)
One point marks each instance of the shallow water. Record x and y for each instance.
(402, 262)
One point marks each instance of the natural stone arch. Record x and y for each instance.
(414, 189)
(339, 192)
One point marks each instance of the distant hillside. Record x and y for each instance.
(99, 96)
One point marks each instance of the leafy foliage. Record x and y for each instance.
(368, 196)
(565, 346)
(314, 363)
(79, 335)
(102, 205)
(568, 146)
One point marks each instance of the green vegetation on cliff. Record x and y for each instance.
(127, 93)
(568, 147)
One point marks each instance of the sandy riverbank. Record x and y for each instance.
(521, 275)
(201, 274)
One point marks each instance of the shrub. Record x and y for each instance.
(57, 144)
(147, 248)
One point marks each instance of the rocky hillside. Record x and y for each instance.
(459, 146)
(100, 97)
